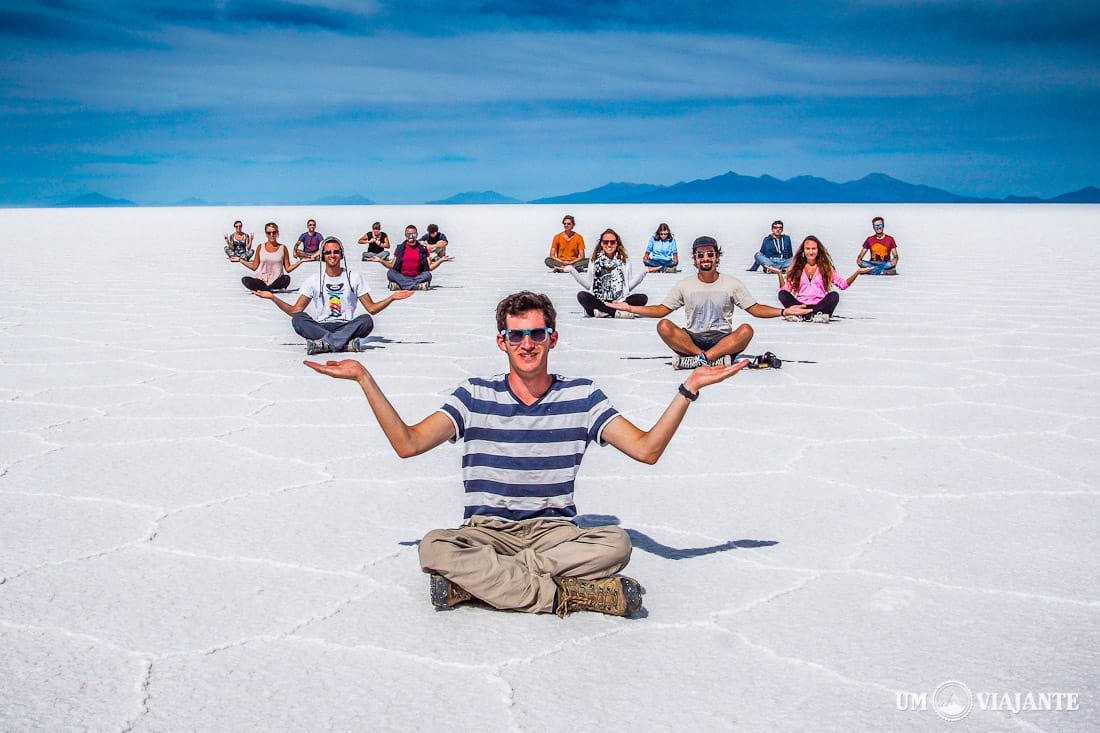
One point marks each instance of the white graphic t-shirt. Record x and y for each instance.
(334, 298)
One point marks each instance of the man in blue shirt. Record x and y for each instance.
(775, 251)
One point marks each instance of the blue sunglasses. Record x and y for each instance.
(516, 335)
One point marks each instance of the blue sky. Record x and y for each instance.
(403, 102)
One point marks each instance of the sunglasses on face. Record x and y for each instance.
(515, 336)
(706, 255)
(410, 235)
(878, 226)
(609, 241)
(332, 252)
(271, 232)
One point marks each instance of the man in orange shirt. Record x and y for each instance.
(567, 248)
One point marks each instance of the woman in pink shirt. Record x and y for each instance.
(809, 280)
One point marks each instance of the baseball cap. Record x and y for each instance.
(704, 241)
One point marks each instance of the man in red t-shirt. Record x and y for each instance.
(880, 251)
(410, 268)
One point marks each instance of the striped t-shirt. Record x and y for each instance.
(520, 461)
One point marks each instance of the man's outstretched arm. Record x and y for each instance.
(645, 311)
(647, 446)
(760, 310)
(407, 440)
(290, 310)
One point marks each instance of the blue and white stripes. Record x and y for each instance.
(520, 461)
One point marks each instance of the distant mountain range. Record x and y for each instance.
(93, 200)
(352, 200)
(731, 188)
(477, 197)
(728, 188)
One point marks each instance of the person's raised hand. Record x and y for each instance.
(343, 369)
(708, 375)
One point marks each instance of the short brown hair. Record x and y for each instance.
(522, 302)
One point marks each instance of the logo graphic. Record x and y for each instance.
(952, 700)
(335, 295)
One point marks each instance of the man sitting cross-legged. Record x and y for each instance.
(411, 266)
(333, 293)
(709, 298)
(524, 434)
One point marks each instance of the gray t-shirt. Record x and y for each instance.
(709, 306)
(335, 298)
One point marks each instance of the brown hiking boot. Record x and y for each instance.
(617, 596)
(446, 594)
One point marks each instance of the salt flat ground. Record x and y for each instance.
(199, 533)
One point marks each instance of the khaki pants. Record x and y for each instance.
(512, 565)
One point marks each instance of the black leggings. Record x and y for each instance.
(590, 302)
(827, 305)
(255, 283)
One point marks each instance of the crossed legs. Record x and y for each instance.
(335, 334)
(512, 565)
(680, 340)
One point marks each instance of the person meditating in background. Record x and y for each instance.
(809, 280)
(238, 244)
(709, 298)
(378, 243)
(308, 246)
(567, 248)
(882, 249)
(271, 263)
(775, 251)
(609, 278)
(661, 252)
(410, 267)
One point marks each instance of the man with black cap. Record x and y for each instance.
(709, 298)
(333, 294)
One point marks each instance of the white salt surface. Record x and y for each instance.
(199, 533)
